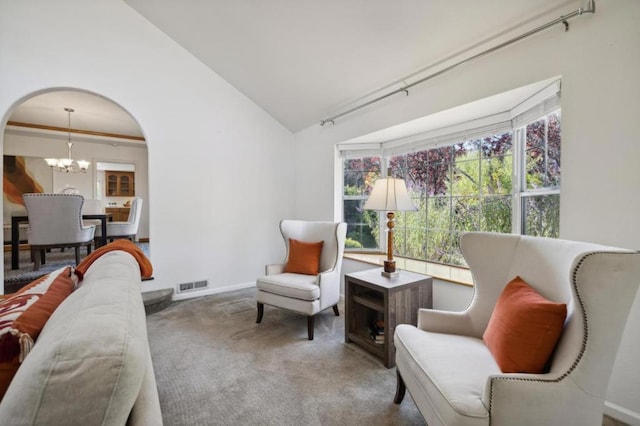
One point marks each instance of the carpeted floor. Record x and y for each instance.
(14, 279)
(216, 366)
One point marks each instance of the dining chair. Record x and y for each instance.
(55, 221)
(127, 229)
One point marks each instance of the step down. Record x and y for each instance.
(157, 300)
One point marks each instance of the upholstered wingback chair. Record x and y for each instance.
(452, 375)
(302, 293)
(55, 220)
(127, 229)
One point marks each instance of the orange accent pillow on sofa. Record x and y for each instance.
(304, 258)
(524, 328)
(24, 314)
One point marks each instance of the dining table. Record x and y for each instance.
(15, 233)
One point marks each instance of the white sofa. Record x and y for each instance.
(451, 374)
(91, 364)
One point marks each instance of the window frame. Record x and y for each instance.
(519, 193)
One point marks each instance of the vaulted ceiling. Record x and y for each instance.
(303, 60)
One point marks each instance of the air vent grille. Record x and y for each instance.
(195, 285)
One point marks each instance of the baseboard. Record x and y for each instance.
(215, 290)
(622, 414)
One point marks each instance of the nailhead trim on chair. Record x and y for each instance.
(585, 336)
(60, 195)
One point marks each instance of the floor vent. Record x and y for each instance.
(196, 285)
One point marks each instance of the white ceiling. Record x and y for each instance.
(91, 112)
(304, 60)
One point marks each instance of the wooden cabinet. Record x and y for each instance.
(372, 300)
(119, 184)
(118, 214)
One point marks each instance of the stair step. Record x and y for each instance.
(157, 300)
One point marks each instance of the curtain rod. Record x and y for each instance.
(589, 7)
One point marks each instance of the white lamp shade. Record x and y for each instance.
(390, 195)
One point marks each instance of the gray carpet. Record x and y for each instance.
(216, 366)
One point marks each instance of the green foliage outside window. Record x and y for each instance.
(362, 225)
(464, 187)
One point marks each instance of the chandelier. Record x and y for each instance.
(67, 165)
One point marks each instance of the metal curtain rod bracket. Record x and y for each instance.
(588, 7)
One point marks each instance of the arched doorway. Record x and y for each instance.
(100, 131)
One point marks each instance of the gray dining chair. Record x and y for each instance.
(55, 221)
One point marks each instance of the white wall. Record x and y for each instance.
(219, 167)
(44, 146)
(599, 61)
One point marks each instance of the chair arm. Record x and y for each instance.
(326, 276)
(276, 268)
(329, 283)
(445, 322)
(508, 397)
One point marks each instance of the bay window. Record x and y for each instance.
(502, 178)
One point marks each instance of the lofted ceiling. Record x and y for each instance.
(304, 60)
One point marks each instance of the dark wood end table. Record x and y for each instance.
(370, 297)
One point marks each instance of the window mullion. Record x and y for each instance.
(518, 179)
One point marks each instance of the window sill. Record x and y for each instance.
(448, 273)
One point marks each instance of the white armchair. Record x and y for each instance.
(453, 377)
(305, 294)
(55, 220)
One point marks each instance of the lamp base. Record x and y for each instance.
(389, 269)
(390, 274)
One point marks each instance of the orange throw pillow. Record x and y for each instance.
(24, 314)
(524, 329)
(304, 258)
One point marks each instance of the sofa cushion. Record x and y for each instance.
(90, 359)
(451, 369)
(524, 328)
(24, 314)
(304, 257)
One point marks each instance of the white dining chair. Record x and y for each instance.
(55, 221)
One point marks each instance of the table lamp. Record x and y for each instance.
(390, 195)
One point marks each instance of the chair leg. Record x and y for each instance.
(260, 312)
(77, 255)
(88, 249)
(310, 320)
(400, 388)
(43, 254)
(335, 310)
(36, 259)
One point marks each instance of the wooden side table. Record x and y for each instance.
(370, 297)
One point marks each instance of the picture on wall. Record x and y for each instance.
(22, 175)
